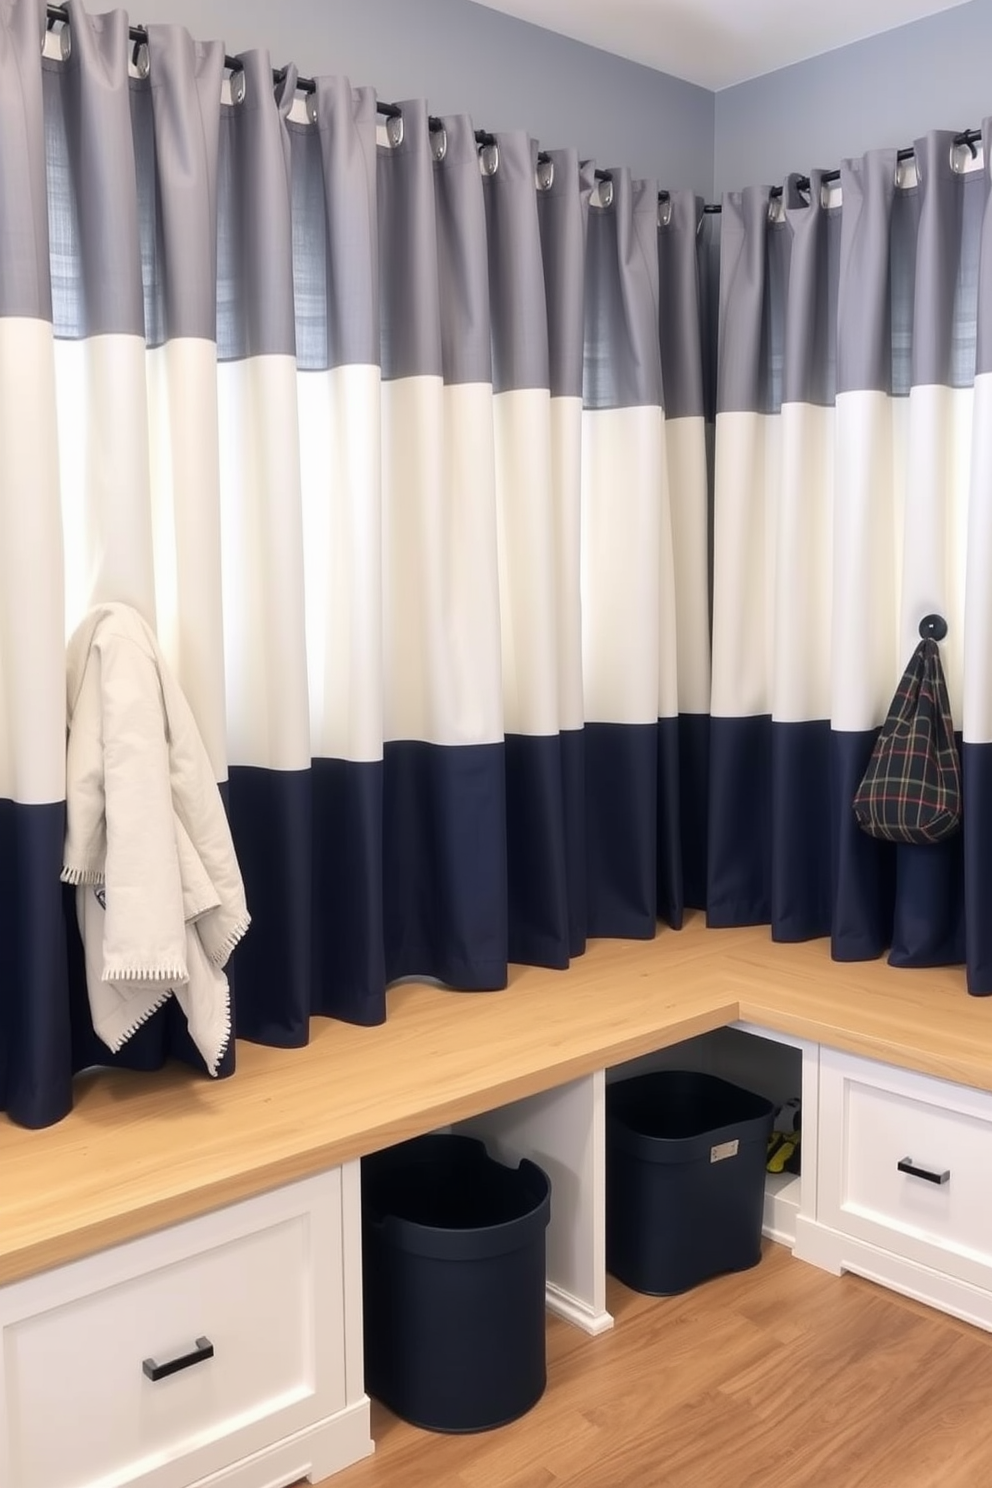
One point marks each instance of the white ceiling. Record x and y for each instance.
(717, 43)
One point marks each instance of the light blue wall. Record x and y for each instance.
(465, 58)
(888, 90)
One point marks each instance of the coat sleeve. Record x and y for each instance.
(144, 928)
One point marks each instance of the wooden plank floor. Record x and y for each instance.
(779, 1377)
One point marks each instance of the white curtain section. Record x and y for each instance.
(528, 568)
(623, 517)
(744, 530)
(976, 705)
(440, 589)
(565, 416)
(32, 630)
(687, 483)
(866, 584)
(340, 460)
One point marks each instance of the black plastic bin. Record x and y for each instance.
(454, 1261)
(685, 1179)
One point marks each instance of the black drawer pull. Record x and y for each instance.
(204, 1349)
(907, 1166)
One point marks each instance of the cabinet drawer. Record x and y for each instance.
(247, 1300)
(877, 1121)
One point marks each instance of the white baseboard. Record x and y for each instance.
(833, 1251)
(574, 1310)
(308, 1456)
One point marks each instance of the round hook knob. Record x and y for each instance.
(934, 627)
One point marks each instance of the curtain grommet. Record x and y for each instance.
(964, 157)
(311, 106)
(439, 144)
(664, 210)
(65, 43)
(544, 175)
(141, 59)
(238, 86)
(489, 159)
(604, 196)
(394, 130)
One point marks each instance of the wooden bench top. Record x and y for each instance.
(142, 1151)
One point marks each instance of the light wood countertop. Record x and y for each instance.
(142, 1151)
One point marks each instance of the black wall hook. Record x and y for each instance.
(934, 627)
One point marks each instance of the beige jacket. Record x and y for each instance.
(160, 901)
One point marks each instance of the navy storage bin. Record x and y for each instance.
(453, 1247)
(685, 1179)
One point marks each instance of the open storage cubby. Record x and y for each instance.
(771, 1064)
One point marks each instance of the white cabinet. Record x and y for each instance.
(903, 1191)
(228, 1347)
(896, 1181)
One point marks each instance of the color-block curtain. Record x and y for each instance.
(368, 422)
(640, 605)
(687, 261)
(853, 471)
(536, 254)
(443, 837)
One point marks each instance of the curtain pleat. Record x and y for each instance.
(35, 1054)
(753, 270)
(263, 570)
(529, 562)
(976, 706)
(178, 124)
(563, 208)
(628, 640)
(799, 884)
(444, 808)
(684, 753)
(337, 319)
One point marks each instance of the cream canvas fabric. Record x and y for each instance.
(160, 901)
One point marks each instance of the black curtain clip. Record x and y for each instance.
(933, 627)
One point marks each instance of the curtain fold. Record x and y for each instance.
(564, 190)
(684, 758)
(976, 706)
(444, 809)
(262, 577)
(35, 1048)
(335, 224)
(753, 265)
(627, 583)
(537, 887)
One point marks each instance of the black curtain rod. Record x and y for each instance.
(59, 15)
(969, 137)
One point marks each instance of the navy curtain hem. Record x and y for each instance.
(480, 976)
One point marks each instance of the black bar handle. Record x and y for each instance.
(907, 1166)
(203, 1349)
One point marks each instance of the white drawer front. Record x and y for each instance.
(873, 1118)
(260, 1281)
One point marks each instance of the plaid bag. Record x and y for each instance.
(911, 791)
